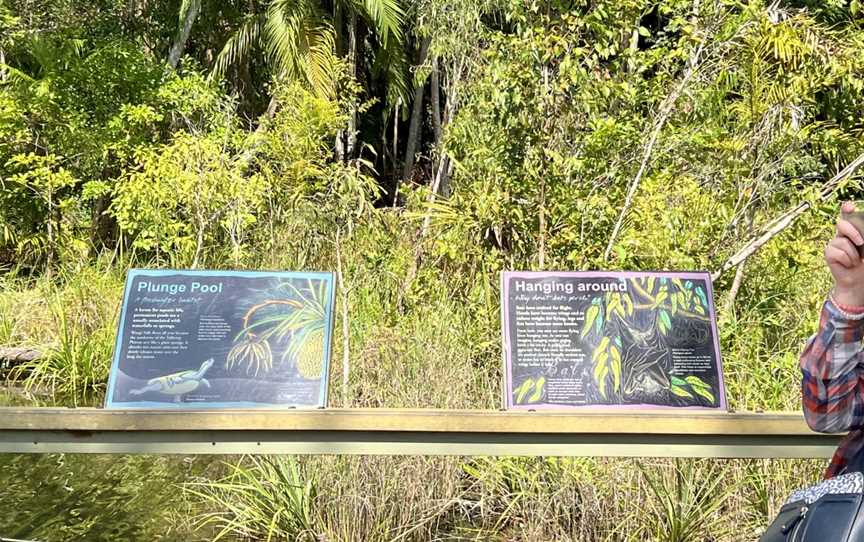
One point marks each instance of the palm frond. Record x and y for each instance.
(391, 62)
(239, 44)
(16, 77)
(386, 16)
(320, 61)
(283, 32)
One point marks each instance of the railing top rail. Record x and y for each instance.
(692, 422)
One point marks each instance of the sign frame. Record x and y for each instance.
(328, 330)
(507, 354)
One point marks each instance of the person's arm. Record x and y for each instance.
(833, 376)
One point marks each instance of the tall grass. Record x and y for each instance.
(260, 499)
(72, 322)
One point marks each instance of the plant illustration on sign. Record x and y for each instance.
(530, 390)
(629, 332)
(289, 318)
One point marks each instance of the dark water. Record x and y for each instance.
(85, 497)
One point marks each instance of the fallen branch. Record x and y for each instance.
(783, 221)
(10, 357)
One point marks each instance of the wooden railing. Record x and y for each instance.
(617, 433)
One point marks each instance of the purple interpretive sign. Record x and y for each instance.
(610, 339)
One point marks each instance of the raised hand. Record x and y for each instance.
(844, 261)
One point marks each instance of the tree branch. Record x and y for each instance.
(783, 221)
(183, 35)
(665, 110)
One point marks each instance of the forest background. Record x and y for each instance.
(417, 148)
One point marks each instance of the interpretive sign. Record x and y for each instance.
(222, 339)
(633, 339)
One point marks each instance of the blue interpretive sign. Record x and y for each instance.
(222, 339)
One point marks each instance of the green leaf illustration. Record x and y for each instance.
(590, 315)
(538, 390)
(704, 393)
(627, 301)
(600, 373)
(612, 305)
(616, 367)
(664, 323)
(523, 390)
(696, 381)
(681, 392)
(701, 293)
(677, 381)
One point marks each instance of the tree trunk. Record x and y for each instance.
(346, 328)
(183, 35)
(542, 220)
(396, 151)
(666, 108)
(338, 25)
(351, 140)
(435, 98)
(729, 306)
(416, 113)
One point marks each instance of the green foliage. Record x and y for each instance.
(267, 498)
(186, 195)
(94, 497)
(686, 502)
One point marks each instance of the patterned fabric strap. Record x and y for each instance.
(852, 482)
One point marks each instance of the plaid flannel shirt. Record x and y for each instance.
(832, 387)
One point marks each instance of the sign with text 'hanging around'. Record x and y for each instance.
(616, 339)
(222, 339)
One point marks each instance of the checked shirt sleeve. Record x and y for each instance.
(832, 366)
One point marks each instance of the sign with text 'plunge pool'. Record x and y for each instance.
(617, 339)
(222, 339)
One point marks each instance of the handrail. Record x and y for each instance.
(621, 433)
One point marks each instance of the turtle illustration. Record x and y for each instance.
(177, 383)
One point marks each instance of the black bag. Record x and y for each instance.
(832, 511)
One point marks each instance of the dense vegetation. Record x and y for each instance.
(418, 148)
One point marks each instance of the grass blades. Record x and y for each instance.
(264, 498)
(686, 501)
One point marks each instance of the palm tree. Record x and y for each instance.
(299, 42)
